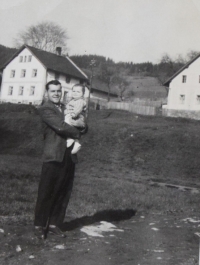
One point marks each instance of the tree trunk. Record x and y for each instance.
(108, 93)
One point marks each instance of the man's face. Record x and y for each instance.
(54, 93)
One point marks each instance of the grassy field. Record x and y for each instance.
(120, 155)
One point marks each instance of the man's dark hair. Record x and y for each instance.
(52, 82)
(80, 85)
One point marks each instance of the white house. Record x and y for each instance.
(184, 91)
(27, 72)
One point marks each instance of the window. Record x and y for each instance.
(20, 59)
(29, 58)
(12, 73)
(23, 73)
(10, 90)
(198, 99)
(32, 91)
(68, 79)
(184, 77)
(57, 76)
(34, 73)
(182, 99)
(21, 90)
(24, 58)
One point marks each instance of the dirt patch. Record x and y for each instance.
(147, 240)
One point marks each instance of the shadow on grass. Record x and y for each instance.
(106, 116)
(106, 215)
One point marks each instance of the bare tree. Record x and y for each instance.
(107, 71)
(180, 59)
(191, 55)
(166, 59)
(45, 36)
(121, 84)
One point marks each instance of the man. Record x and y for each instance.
(58, 165)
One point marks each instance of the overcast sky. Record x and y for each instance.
(124, 30)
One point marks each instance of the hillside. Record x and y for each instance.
(121, 154)
(146, 87)
(142, 87)
(159, 146)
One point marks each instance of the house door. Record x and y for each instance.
(65, 97)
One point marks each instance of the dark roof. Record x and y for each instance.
(99, 85)
(54, 62)
(103, 92)
(180, 70)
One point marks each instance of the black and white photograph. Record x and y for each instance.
(99, 132)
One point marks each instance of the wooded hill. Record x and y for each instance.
(163, 70)
(5, 54)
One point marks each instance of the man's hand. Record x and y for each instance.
(84, 130)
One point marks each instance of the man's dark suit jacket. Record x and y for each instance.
(56, 131)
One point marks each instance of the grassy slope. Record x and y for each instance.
(120, 153)
(144, 87)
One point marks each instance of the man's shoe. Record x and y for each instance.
(56, 231)
(40, 232)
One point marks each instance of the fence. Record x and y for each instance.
(131, 107)
(128, 106)
(148, 102)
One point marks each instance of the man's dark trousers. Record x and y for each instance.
(54, 191)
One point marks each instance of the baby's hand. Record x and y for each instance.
(73, 115)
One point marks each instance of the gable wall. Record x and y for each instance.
(190, 89)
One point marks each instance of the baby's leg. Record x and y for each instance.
(69, 142)
(68, 120)
(76, 147)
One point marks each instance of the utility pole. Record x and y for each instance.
(92, 65)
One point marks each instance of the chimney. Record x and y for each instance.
(58, 50)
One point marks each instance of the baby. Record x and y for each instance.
(75, 114)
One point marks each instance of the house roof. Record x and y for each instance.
(103, 92)
(53, 62)
(98, 85)
(180, 70)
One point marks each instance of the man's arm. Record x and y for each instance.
(56, 123)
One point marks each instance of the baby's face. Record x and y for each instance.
(77, 92)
